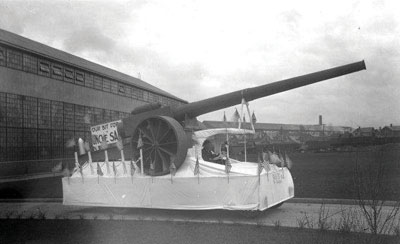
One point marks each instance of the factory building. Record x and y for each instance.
(48, 97)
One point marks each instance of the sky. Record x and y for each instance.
(200, 49)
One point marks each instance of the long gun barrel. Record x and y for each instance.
(230, 99)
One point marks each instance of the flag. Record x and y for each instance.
(260, 165)
(228, 166)
(99, 171)
(57, 168)
(140, 141)
(236, 116)
(265, 159)
(224, 118)
(133, 168)
(253, 118)
(70, 143)
(119, 144)
(244, 118)
(282, 159)
(152, 168)
(274, 158)
(197, 167)
(86, 145)
(289, 162)
(103, 145)
(114, 168)
(172, 169)
(66, 172)
(86, 118)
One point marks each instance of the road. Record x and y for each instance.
(307, 215)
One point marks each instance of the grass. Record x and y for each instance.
(315, 175)
(330, 175)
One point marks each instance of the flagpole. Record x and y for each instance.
(90, 162)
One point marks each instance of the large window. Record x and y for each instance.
(2, 56)
(114, 87)
(44, 119)
(30, 63)
(57, 71)
(30, 107)
(97, 82)
(88, 80)
(14, 59)
(44, 68)
(14, 110)
(106, 85)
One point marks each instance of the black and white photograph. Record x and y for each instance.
(199, 121)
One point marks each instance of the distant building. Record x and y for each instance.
(286, 133)
(390, 131)
(364, 132)
(48, 96)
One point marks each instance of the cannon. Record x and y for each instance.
(166, 133)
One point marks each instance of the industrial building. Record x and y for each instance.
(48, 96)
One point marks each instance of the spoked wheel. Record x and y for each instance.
(164, 142)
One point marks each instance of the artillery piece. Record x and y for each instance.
(165, 132)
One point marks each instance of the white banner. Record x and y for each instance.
(107, 132)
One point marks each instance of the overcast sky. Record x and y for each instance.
(199, 49)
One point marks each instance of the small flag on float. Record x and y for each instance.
(133, 168)
(99, 171)
(57, 168)
(197, 167)
(282, 159)
(260, 165)
(228, 166)
(289, 162)
(87, 148)
(253, 118)
(236, 116)
(140, 141)
(152, 167)
(121, 149)
(172, 169)
(86, 119)
(115, 172)
(70, 143)
(274, 159)
(259, 169)
(114, 168)
(224, 118)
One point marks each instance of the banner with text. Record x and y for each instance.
(105, 132)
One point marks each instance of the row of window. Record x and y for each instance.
(31, 112)
(34, 64)
(35, 128)
(31, 144)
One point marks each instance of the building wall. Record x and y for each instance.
(45, 102)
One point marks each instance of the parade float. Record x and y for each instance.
(157, 161)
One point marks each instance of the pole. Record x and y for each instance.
(141, 161)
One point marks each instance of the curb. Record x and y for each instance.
(333, 201)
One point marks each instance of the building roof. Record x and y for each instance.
(23, 43)
(365, 129)
(271, 126)
(393, 128)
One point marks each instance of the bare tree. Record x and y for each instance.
(370, 178)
